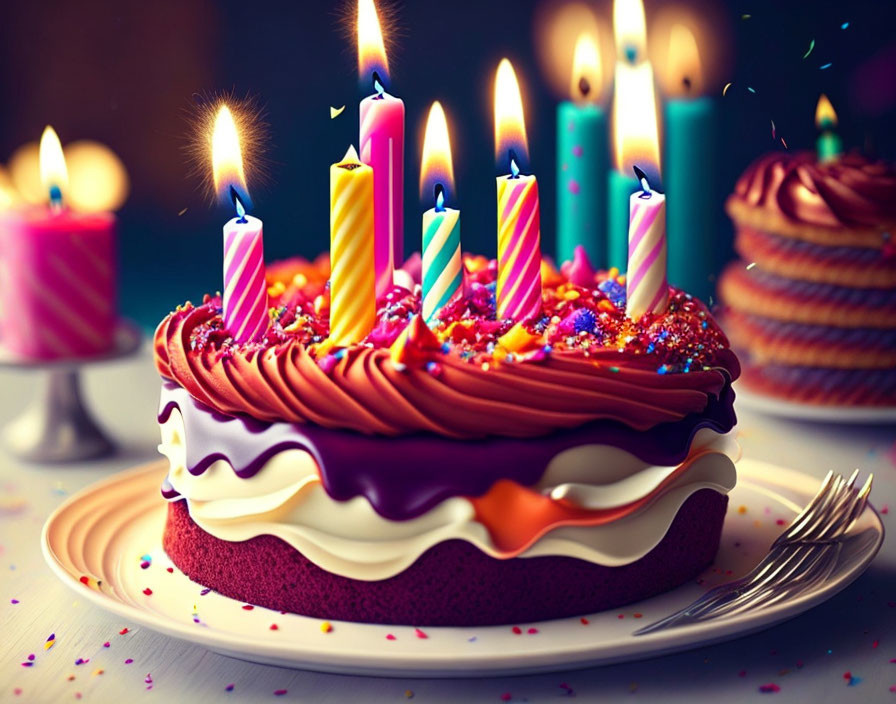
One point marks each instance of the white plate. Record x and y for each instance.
(103, 531)
(761, 403)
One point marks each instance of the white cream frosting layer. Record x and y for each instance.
(287, 499)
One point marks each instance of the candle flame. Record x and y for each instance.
(630, 28)
(635, 127)
(227, 160)
(373, 64)
(436, 168)
(586, 70)
(510, 125)
(683, 67)
(53, 171)
(825, 115)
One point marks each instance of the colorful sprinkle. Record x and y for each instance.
(517, 630)
(336, 112)
(205, 591)
(279, 692)
(51, 641)
(248, 607)
(229, 688)
(123, 631)
(770, 688)
(13, 601)
(147, 591)
(98, 671)
(82, 661)
(532, 631)
(389, 636)
(825, 66)
(725, 89)
(844, 25)
(129, 661)
(169, 570)
(811, 47)
(274, 627)
(584, 621)
(107, 644)
(326, 627)
(419, 633)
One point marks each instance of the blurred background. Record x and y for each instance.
(134, 76)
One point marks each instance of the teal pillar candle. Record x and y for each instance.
(692, 202)
(619, 189)
(582, 162)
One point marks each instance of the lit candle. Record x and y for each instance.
(382, 146)
(519, 237)
(690, 154)
(646, 288)
(442, 267)
(352, 280)
(246, 315)
(829, 145)
(635, 129)
(582, 160)
(57, 272)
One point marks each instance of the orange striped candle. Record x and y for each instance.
(352, 274)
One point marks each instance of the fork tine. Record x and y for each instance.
(808, 527)
(821, 495)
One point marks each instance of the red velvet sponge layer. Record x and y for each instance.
(452, 583)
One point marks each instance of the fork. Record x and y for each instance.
(803, 556)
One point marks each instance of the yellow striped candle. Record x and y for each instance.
(352, 277)
(519, 233)
(442, 267)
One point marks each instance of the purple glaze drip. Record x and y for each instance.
(404, 477)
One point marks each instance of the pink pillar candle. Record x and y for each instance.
(519, 248)
(57, 283)
(382, 148)
(246, 315)
(646, 288)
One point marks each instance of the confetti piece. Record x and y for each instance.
(107, 644)
(774, 136)
(204, 591)
(408, 694)
(389, 636)
(811, 47)
(147, 591)
(13, 601)
(51, 641)
(326, 627)
(274, 627)
(638, 615)
(98, 671)
(751, 265)
(824, 66)
(229, 688)
(745, 17)
(532, 631)
(336, 112)
(472, 639)
(248, 607)
(181, 212)
(517, 630)
(845, 25)
(584, 621)
(769, 688)
(784, 143)
(27, 664)
(123, 631)
(279, 692)
(420, 634)
(620, 616)
(129, 661)
(725, 89)
(169, 570)
(752, 90)
(148, 678)
(82, 661)
(875, 643)
(91, 582)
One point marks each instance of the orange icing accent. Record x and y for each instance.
(534, 514)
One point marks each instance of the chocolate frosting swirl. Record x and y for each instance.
(848, 192)
(366, 393)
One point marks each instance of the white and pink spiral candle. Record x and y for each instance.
(246, 315)
(647, 290)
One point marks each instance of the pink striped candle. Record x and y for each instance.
(518, 291)
(57, 283)
(246, 315)
(646, 286)
(519, 248)
(381, 146)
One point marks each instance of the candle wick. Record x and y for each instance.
(378, 86)
(55, 198)
(514, 167)
(631, 54)
(686, 81)
(439, 191)
(584, 87)
(238, 204)
(645, 185)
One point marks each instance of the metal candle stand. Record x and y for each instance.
(56, 426)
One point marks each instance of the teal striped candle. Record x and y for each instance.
(443, 277)
(582, 161)
(442, 267)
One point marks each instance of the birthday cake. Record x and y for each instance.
(469, 471)
(811, 304)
